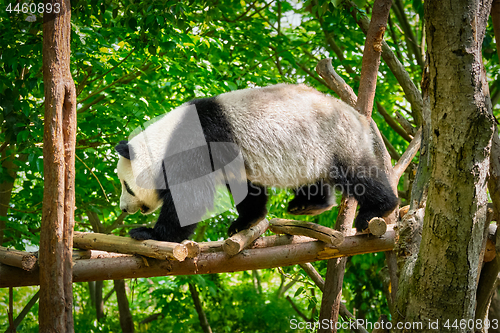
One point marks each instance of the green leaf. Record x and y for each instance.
(230, 85)
(22, 136)
(132, 23)
(299, 291)
(39, 165)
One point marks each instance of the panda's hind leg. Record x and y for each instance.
(251, 209)
(312, 199)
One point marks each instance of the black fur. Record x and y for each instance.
(368, 184)
(251, 209)
(167, 228)
(123, 149)
(193, 164)
(311, 199)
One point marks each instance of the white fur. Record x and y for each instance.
(288, 134)
(142, 196)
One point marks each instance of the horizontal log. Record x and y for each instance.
(210, 262)
(261, 242)
(21, 259)
(237, 242)
(112, 243)
(313, 230)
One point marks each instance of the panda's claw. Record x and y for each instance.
(233, 229)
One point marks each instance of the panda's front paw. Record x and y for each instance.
(142, 233)
(233, 229)
(361, 224)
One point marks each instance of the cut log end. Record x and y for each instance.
(180, 252)
(193, 248)
(377, 226)
(239, 241)
(28, 262)
(231, 247)
(21, 259)
(336, 238)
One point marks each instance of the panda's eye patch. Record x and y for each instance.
(129, 190)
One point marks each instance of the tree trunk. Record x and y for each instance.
(56, 237)
(441, 288)
(6, 186)
(126, 320)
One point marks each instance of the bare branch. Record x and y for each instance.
(393, 123)
(390, 148)
(23, 313)
(332, 294)
(318, 280)
(205, 325)
(407, 157)
(411, 92)
(411, 40)
(313, 230)
(335, 82)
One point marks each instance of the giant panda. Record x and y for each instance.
(288, 136)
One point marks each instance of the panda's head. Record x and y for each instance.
(133, 197)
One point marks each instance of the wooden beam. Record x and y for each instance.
(286, 253)
(112, 243)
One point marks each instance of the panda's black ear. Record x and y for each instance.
(123, 149)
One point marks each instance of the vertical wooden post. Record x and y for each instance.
(56, 236)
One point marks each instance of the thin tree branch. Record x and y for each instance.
(88, 105)
(407, 156)
(10, 311)
(411, 40)
(295, 307)
(394, 38)
(126, 320)
(412, 94)
(93, 174)
(114, 67)
(312, 74)
(393, 123)
(390, 148)
(334, 47)
(205, 325)
(23, 313)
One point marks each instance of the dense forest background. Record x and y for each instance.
(133, 61)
